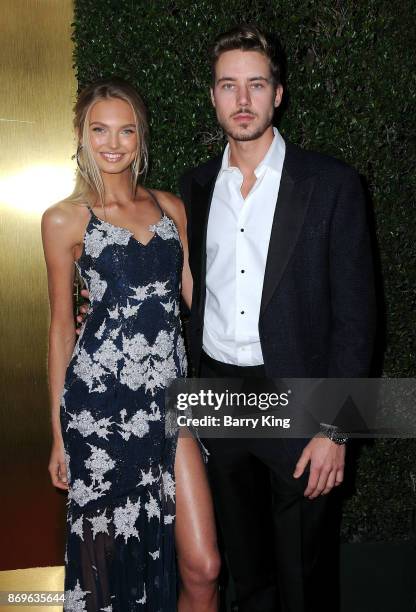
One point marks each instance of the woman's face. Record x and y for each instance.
(113, 135)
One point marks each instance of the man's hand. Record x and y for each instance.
(83, 310)
(327, 466)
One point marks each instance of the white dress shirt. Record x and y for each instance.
(238, 238)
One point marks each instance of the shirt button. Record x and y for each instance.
(242, 312)
(242, 271)
(242, 230)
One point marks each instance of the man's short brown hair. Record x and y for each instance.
(248, 38)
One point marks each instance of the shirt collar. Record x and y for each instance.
(273, 159)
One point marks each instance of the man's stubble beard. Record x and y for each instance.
(241, 134)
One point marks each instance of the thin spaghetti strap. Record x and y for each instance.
(155, 200)
(93, 215)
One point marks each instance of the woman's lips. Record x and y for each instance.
(112, 157)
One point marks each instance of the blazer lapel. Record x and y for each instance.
(292, 202)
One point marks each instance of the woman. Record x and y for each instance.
(110, 448)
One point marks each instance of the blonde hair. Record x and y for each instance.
(89, 181)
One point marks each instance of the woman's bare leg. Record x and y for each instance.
(196, 540)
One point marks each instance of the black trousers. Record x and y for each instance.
(274, 537)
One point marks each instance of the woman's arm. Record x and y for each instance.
(58, 245)
(175, 209)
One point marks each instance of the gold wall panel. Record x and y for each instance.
(39, 579)
(37, 90)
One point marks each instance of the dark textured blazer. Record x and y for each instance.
(317, 316)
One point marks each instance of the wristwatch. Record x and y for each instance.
(334, 433)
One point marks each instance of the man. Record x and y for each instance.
(280, 257)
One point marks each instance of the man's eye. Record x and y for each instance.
(228, 86)
(257, 85)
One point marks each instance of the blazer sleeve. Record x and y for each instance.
(351, 283)
(185, 192)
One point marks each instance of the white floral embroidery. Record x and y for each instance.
(99, 524)
(168, 306)
(125, 518)
(168, 519)
(160, 373)
(181, 352)
(107, 609)
(114, 333)
(171, 422)
(67, 465)
(136, 347)
(165, 228)
(140, 292)
(143, 292)
(156, 416)
(86, 425)
(159, 288)
(108, 356)
(133, 374)
(138, 425)
(89, 372)
(114, 313)
(143, 599)
(99, 333)
(96, 240)
(155, 555)
(98, 463)
(150, 366)
(75, 599)
(82, 494)
(152, 507)
(97, 285)
(168, 485)
(148, 478)
(129, 310)
(76, 527)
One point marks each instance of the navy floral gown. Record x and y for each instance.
(120, 554)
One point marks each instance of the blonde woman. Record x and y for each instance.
(110, 449)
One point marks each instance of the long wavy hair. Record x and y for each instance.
(89, 183)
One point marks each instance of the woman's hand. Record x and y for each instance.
(57, 466)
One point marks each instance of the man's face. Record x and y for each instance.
(244, 95)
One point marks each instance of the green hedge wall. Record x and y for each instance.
(351, 93)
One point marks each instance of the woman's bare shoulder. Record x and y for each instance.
(64, 223)
(65, 214)
(171, 204)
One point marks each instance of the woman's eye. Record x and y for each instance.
(97, 129)
(128, 131)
